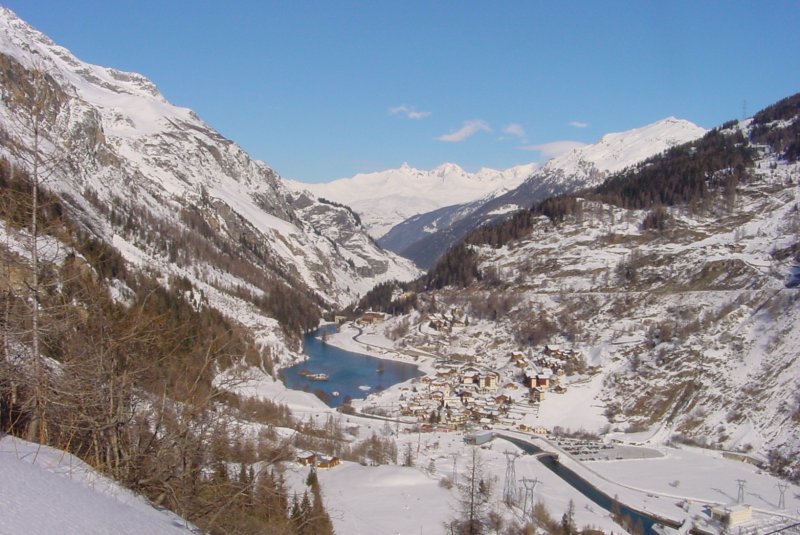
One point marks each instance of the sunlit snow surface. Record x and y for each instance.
(44, 491)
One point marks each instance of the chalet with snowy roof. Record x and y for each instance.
(485, 414)
(451, 401)
(437, 395)
(469, 374)
(445, 372)
(557, 352)
(328, 462)
(544, 379)
(306, 458)
(529, 377)
(415, 409)
(502, 399)
(537, 394)
(372, 318)
(467, 396)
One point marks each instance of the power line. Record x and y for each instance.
(740, 496)
(530, 484)
(510, 487)
(782, 500)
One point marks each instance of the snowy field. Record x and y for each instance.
(702, 476)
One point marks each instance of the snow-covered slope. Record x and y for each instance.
(122, 149)
(45, 491)
(616, 151)
(385, 198)
(424, 237)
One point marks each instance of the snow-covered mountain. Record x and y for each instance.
(385, 198)
(125, 153)
(424, 237)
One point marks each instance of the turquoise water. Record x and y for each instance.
(348, 372)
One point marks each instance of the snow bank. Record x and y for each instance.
(46, 491)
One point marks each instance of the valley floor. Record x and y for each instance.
(409, 500)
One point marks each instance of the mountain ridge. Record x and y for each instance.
(128, 147)
(426, 236)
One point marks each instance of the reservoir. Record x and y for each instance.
(334, 373)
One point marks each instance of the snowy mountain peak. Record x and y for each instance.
(427, 235)
(616, 151)
(34, 49)
(447, 169)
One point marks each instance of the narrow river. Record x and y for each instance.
(343, 373)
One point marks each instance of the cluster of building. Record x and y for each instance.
(456, 394)
(459, 392)
(544, 372)
(371, 318)
(446, 321)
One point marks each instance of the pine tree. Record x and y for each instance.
(568, 526)
(475, 495)
(319, 521)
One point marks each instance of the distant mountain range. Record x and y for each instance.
(384, 199)
(425, 237)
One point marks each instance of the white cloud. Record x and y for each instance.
(578, 124)
(410, 112)
(469, 128)
(514, 129)
(554, 148)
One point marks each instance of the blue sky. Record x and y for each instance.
(325, 89)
